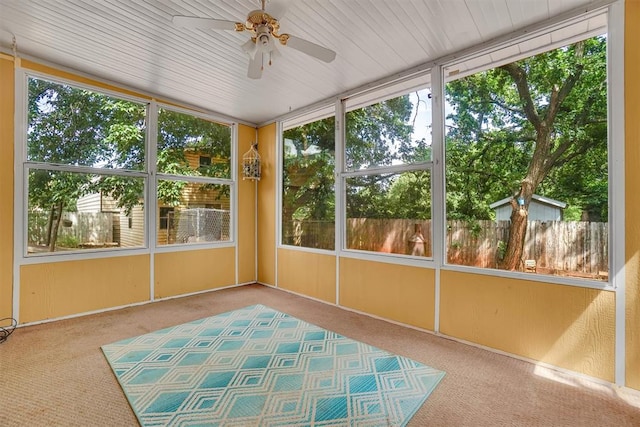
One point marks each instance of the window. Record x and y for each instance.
(527, 163)
(387, 178)
(85, 159)
(84, 150)
(189, 221)
(166, 215)
(205, 162)
(390, 213)
(308, 196)
(194, 170)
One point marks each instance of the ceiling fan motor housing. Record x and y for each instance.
(257, 18)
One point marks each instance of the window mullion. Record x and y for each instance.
(438, 209)
(152, 183)
(84, 169)
(340, 196)
(198, 179)
(379, 170)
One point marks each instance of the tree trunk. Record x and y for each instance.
(517, 232)
(544, 154)
(52, 213)
(53, 237)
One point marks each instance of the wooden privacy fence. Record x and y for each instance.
(87, 228)
(557, 247)
(309, 234)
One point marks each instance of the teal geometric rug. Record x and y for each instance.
(259, 367)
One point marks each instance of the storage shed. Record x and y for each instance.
(540, 209)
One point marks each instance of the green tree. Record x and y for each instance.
(379, 135)
(181, 133)
(76, 127)
(308, 181)
(410, 196)
(538, 124)
(376, 135)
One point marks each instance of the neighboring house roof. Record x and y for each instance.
(539, 199)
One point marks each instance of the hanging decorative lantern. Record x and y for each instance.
(251, 163)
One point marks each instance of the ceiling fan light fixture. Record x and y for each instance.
(263, 39)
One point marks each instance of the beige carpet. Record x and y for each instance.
(55, 374)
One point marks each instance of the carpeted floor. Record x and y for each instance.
(56, 375)
(256, 366)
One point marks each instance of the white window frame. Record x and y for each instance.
(615, 135)
(319, 112)
(148, 174)
(383, 92)
(396, 85)
(157, 176)
(22, 166)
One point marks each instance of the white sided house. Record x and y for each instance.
(118, 228)
(540, 209)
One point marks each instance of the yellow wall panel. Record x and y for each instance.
(59, 289)
(396, 292)
(267, 205)
(184, 272)
(566, 326)
(35, 66)
(632, 201)
(308, 273)
(246, 212)
(6, 186)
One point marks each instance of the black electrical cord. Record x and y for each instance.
(5, 331)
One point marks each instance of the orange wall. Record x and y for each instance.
(566, 326)
(267, 205)
(632, 183)
(400, 293)
(59, 289)
(246, 225)
(6, 186)
(307, 273)
(177, 273)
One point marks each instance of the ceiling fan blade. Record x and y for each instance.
(277, 8)
(255, 67)
(250, 48)
(206, 23)
(311, 49)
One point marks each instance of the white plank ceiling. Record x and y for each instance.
(135, 44)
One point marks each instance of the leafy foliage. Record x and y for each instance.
(538, 125)
(73, 127)
(382, 135)
(77, 127)
(309, 163)
(491, 141)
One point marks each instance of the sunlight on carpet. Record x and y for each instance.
(259, 367)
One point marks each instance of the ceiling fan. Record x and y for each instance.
(264, 29)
